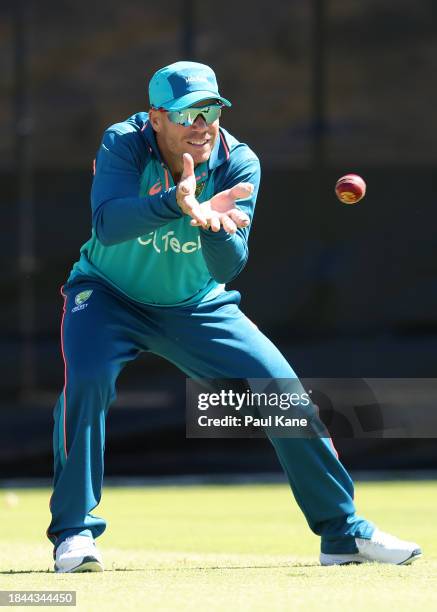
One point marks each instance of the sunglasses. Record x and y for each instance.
(187, 116)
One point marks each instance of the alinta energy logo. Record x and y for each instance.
(81, 300)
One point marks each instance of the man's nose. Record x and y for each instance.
(200, 122)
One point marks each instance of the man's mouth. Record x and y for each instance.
(198, 143)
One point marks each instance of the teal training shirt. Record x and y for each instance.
(141, 242)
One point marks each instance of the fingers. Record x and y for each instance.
(239, 217)
(230, 222)
(221, 212)
(240, 191)
(187, 184)
(224, 201)
(184, 187)
(228, 225)
(188, 165)
(192, 208)
(212, 222)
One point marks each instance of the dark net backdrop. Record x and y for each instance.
(319, 89)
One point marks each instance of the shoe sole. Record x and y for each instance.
(88, 564)
(416, 554)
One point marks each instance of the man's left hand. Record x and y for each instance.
(221, 211)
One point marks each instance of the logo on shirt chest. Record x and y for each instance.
(199, 188)
(157, 187)
(169, 242)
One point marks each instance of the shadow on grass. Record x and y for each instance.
(174, 569)
(47, 571)
(215, 568)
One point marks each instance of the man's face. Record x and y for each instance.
(173, 140)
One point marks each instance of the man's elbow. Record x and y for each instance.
(103, 236)
(226, 276)
(105, 241)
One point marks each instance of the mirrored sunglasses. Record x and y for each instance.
(188, 116)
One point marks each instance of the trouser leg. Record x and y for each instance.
(94, 351)
(217, 341)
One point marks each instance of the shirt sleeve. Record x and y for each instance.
(226, 254)
(118, 212)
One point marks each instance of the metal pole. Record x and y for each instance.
(24, 173)
(188, 29)
(319, 83)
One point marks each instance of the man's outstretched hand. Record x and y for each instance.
(218, 212)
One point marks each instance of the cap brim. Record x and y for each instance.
(193, 98)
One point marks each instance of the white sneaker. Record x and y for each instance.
(78, 554)
(381, 548)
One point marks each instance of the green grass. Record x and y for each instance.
(223, 548)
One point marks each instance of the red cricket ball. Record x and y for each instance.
(350, 189)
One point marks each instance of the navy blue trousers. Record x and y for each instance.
(214, 339)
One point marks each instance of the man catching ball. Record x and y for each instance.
(173, 199)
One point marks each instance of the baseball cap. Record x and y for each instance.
(183, 84)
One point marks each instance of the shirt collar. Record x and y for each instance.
(220, 152)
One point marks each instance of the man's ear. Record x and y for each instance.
(155, 118)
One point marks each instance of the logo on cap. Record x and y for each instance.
(182, 84)
(196, 79)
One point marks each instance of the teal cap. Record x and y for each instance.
(183, 84)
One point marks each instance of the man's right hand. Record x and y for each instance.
(218, 212)
(185, 193)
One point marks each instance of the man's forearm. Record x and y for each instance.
(127, 218)
(225, 254)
